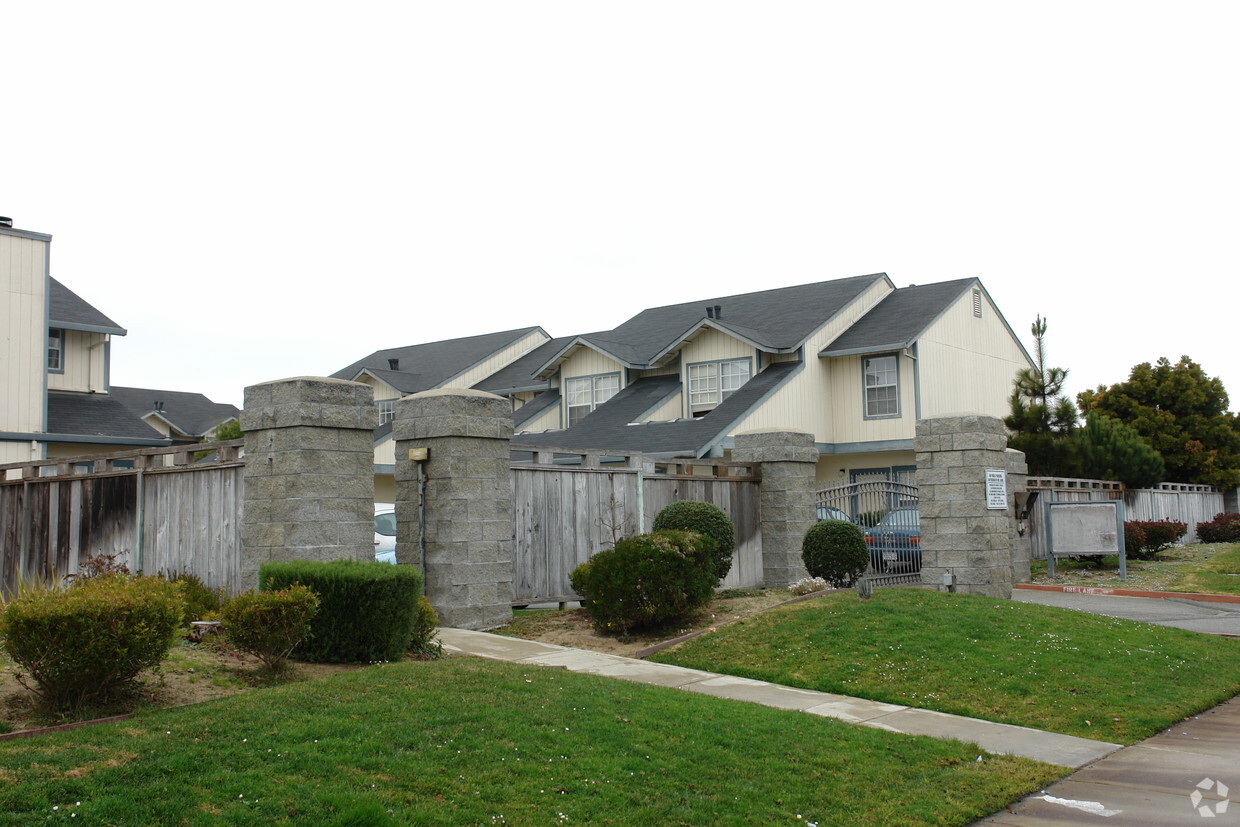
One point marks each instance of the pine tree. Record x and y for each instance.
(1110, 450)
(1042, 419)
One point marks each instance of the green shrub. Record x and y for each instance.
(366, 609)
(646, 580)
(84, 643)
(270, 624)
(1134, 540)
(1224, 528)
(421, 641)
(704, 518)
(201, 601)
(835, 550)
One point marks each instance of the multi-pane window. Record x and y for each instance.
(712, 382)
(586, 393)
(387, 410)
(882, 386)
(55, 349)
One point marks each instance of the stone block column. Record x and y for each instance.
(461, 533)
(309, 472)
(960, 534)
(787, 462)
(1022, 544)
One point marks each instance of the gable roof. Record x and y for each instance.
(192, 414)
(616, 425)
(775, 321)
(69, 310)
(427, 366)
(898, 320)
(97, 415)
(519, 375)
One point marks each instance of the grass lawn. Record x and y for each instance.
(1036, 666)
(1211, 568)
(465, 741)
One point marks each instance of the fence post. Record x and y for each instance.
(964, 538)
(787, 461)
(465, 520)
(309, 472)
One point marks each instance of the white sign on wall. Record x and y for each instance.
(996, 489)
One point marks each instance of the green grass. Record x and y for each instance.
(1212, 568)
(1217, 574)
(1036, 666)
(464, 741)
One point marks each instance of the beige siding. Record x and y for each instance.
(83, 362)
(847, 395)
(505, 357)
(23, 314)
(385, 452)
(710, 345)
(382, 389)
(671, 409)
(548, 420)
(588, 362)
(968, 363)
(806, 402)
(836, 469)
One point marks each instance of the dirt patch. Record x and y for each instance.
(571, 627)
(1160, 574)
(193, 672)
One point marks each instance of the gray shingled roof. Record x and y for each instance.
(777, 320)
(608, 428)
(190, 413)
(95, 414)
(898, 320)
(519, 376)
(428, 366)
(534, 407)
(69, 310)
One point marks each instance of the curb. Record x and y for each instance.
(47, 730)
(1197, 596)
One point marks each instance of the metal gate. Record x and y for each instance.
(889, 518)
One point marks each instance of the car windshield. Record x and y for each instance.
(385, 524)
(901, 518)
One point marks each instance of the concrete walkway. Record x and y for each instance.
(1005, 739)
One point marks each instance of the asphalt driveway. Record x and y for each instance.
(1196, 616)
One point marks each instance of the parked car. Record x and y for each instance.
(385, 533)
(895, 543)
(826, 512)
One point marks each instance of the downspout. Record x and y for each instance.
(138, 535)
(916, 379)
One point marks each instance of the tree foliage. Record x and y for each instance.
(1182, 413)
(1042, 419)
(1110, 450)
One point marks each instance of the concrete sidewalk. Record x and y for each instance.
(1005, 739)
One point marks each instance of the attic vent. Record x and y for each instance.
(159, 406)
(394, 364)
(710, 312)
(718, 311)
(5, 221)
(977, 302)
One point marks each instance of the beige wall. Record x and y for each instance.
(83, 361)
(968, 363)
(847, 402)
(836, 469)
(472, 376)
(548, 420)
(23, 314)
(588, 362)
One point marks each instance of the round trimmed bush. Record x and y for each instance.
(270, 624)
(646, 580)
(835, 550)
(704, 518)
(85, 642)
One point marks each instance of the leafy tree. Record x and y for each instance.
(226, 431)
(1042, 419)
(1110, 450)
(1182, 413)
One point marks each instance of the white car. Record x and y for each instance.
(385, 533)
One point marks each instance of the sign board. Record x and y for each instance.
(1080, 528)
(996, 489)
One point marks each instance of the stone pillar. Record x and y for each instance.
(1022, 544)
(309, 472)
(464, 542)
(788, 461)
(959, 533)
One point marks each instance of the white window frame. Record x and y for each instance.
(876, 381)
(386, 409)
(55, 350)
(582, 394)
(707, 384)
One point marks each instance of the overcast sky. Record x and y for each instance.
(260, 190)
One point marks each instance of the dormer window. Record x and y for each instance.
(386, 409)
(712, 382)
(56, 350)
(585, 393)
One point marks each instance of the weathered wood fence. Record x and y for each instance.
(155, 509)
(568, 506)
(1189, 504)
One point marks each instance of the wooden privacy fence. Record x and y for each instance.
(1183, 503)
(567, 506)
(155, 509)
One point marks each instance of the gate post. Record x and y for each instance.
(788, 462)
(460, 531)
(966, 542)
(309, 472)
